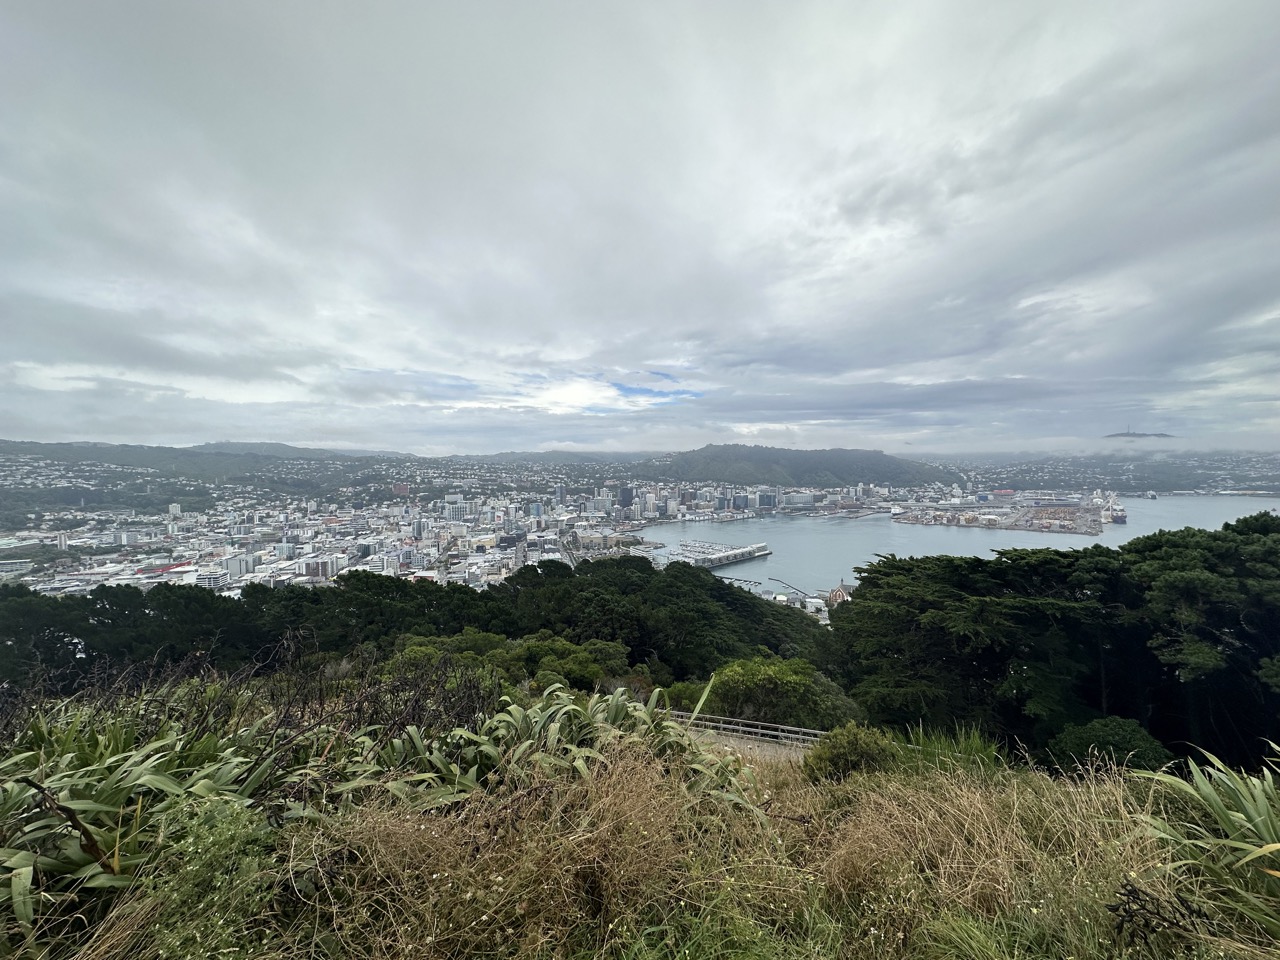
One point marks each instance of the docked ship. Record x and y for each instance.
(1109, 510)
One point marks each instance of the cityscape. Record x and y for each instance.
(476, 521)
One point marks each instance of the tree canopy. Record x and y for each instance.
(1178, 631)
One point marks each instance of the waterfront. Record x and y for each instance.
(813, 553)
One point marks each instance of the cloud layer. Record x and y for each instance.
(467, 228)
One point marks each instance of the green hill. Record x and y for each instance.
(283, 451)
(193, 462)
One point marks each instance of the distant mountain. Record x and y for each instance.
(197, 463)
(733, 463)
(1129, 435)
(738, 463)
(288, 452)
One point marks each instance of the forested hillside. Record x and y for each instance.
(618, 619)
(1179, 631)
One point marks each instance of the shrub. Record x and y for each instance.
(1115, 739)
(546, 679)
(848, 749)
(773, 690)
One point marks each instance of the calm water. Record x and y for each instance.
(814, 553)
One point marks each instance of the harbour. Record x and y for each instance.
(818, 552)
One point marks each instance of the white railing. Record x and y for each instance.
(750, 729)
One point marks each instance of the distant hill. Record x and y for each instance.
(197, 463)
(288, 452)
(739, 463)
(1129, 435)
(731, 463)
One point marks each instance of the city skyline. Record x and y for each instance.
(439, 229)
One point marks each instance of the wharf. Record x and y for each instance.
(702, 553)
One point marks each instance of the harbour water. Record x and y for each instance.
(814, 553)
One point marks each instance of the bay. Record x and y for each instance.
(813, 554)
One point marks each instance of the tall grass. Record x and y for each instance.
(963, 747)
(923, 855)
(96, 793)
(334, 817)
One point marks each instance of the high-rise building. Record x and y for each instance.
(213, 579)
(239, 564)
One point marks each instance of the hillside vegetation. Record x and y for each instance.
(1178, 633)
(209, 463)
(367, 814)
(620, 620)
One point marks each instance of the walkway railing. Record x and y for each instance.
(750, 729)
(770, 732)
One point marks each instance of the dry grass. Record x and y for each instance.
(629, 864)
(556, 868)
(1038, 857)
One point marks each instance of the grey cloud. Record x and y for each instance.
(53, 332)
(456, 226)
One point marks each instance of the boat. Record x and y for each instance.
(1118, 515)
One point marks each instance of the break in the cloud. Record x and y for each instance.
(460, 227)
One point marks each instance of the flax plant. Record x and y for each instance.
(1227, 842)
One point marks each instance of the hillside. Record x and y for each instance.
(739, 463)
(553, 458)
(406, 814)
(208, 463)
(729, 463)
(283, 451)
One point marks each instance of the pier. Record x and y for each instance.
(702, 553)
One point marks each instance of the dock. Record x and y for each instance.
(702, 553)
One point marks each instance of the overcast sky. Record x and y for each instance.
(472, 227)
